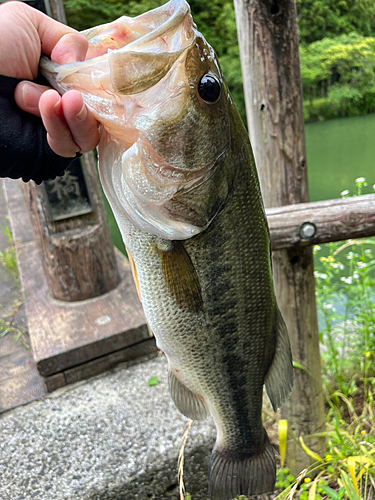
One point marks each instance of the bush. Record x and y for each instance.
(338, 77)
(341, 103)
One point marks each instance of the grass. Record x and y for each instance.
(8, 258)
(347, 471)
(345, 289)
(8, 261)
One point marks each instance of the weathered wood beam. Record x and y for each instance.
(268, 42)
(329, 220)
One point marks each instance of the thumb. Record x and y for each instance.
(72, 47)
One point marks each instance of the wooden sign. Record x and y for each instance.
(68, 195)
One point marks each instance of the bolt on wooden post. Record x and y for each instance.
(268, 41)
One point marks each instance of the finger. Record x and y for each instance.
(72, 47)
(52, 32)
(82, 123)
(27, 96)
(40, 34)
(58, 133)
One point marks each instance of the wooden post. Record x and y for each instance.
(77, 253)
(268, 41)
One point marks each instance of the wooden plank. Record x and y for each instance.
(334, 220)
(268, 41)
(100, 365)
(20, 382)
(55, 382)
(67, 334)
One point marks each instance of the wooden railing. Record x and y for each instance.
(322, 221)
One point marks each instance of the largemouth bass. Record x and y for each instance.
(177, 167)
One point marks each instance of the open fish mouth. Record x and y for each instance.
(130, 55)
(160, 146)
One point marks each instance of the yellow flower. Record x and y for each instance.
(363, 432)
(328, 458)
(307, 480)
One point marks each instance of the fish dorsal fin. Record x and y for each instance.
(280, 376)
(180, 276)
(188, 403)
(134, 273)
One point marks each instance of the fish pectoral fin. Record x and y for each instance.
(188, 403)
(181, 277)
(134, 272)
(280, 376)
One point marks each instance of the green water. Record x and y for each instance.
(338, 151)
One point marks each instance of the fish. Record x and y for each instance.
(177, 168)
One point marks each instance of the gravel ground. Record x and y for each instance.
(112, 437)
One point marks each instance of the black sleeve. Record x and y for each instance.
(24, 150)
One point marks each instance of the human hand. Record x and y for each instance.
(25, 33)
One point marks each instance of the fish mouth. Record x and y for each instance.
(132, 54)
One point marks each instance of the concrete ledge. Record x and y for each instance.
(109, 438)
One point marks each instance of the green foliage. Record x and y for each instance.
(320, 18)
(284, 479)
(345, 292)
(338, 77)
(7, 326)
(337, 72)
(347, 471)
(8, 260)
(8, 257)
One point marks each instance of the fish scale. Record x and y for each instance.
(177, 168)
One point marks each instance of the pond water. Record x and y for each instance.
(338, 151)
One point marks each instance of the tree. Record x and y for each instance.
(341, 70)
(318, 19)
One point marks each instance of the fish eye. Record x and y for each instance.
(209, 88)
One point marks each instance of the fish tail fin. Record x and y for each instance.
(231, 474)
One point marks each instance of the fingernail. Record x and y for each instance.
(57, 108)
(82, 115)
(30, 95)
